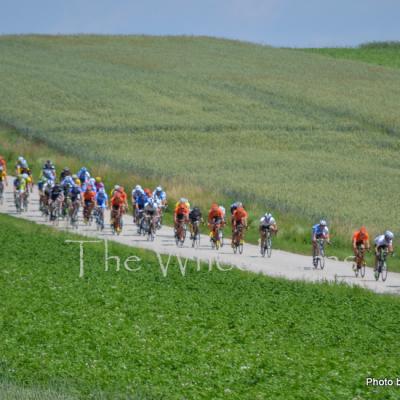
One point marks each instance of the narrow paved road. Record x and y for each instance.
(281, 264)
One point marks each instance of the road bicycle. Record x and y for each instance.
(216, 236)
(195, 236)
(319, 257)
(180, 233)
(266, 243)
(73, 213)
(382, 269)
(360, 263)
(98, 214)
(116, 221)
(237, 240)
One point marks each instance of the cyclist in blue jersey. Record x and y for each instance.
(319, 231)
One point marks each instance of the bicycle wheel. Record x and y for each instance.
(362, 269)
(235, 248)
(269, 247)
(384, 271)
(240, 248)
(262, 247)
(322, 262)
(356, 270)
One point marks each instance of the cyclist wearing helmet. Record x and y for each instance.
(83, 175)
(267, 223)
(384, 241)
(160, 196)
(195, 217)
(239, 222)
(360, 240)
(215, 217)
(319, 231)
(182, 211)
(64, 173)
(99, 183)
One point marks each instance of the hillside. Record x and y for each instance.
(386, 54)
(111, 335)
(298, 133)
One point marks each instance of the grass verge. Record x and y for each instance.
(207, 335)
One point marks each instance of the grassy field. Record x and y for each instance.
(207, 335)
(386, 54)
(290, 131)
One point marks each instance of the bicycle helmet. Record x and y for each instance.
(98, 179)
(116, 187)
(183, 200)
(389, 235)
(77, 181)
(239, 204)
(158, 189)
(322, 222)
(138, 188)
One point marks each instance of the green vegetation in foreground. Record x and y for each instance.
(208, 335)
(286, 130)
(294, 231)
(386, 54)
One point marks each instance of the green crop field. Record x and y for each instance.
(295, 132)
(208, 335)
(380, 53)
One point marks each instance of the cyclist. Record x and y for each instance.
(75, 193)
(84, 176)
(148, 192)
(3, 175)
(89, 196)
(360, 238)
(18, 165)
(151, 211)
(117, 204)
(319, 231)
(267, 223)
(239, 222)
(195, 217)
(384, 241)
(215, 218)
(234, 206)
(56, 195)
(182, 211)
(139, 201)
(3, 164)
(99, 183)
(124, 198)
(64, 173)
(19, 184)
(101, 200)
(160, 196)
